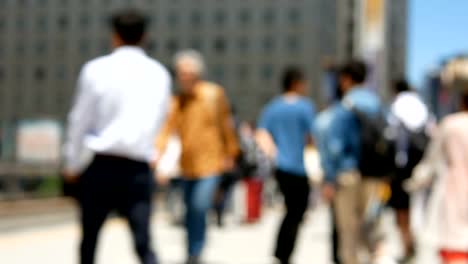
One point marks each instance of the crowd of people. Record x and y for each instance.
(125, 125)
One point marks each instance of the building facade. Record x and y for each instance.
(247, 45)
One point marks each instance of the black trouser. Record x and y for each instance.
(296, 192)
(113, 183)
(223, 194)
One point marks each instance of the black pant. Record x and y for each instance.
(223, 194)
(113, 183)
(296, 190)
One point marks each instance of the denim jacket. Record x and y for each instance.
(339, 132)
(325, 139)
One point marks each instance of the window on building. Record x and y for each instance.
(152, 21)
(172, 46)
(220, 45)
(21, 3)
(269, 17)
(196, 19)
(41, 48)
(62, 22)
(38, 105)
(62, 103)
(84, 20)
(243, 45)
(41, 3)
(219, 73)
(39, 74)
(2, 74)
(84, 47)
(196, 44)
(60, 46)
(293, 44)
(41, 23)
(268, 44)
(220, 18)
(349, 43)
(173, 19)
(64, 3)
(19, 73)
(242, 72)
(245, 17)
(295, 17)
(20, 23)
(2, 22)
(20, 49)
(61, 73)
(104, 22)
(267, 72)
(105, 2)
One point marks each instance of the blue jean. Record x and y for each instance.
(198, 197)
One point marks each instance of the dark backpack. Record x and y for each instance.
(378, 147)
(417, 144)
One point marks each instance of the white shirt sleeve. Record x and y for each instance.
(80, 121)
(164, 112)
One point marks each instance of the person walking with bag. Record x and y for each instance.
(411, 118)
(349, 183)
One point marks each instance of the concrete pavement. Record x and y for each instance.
(57, 241)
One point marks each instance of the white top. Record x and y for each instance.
(446, 165)
(122, 100)
(410, 110)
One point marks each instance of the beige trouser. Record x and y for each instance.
(352, 198)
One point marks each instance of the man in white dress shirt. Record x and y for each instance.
(121, 101)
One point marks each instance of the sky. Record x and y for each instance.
(437, 29)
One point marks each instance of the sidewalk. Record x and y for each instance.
(53, 239)
(57, 244)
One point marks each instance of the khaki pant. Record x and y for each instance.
(353, 196)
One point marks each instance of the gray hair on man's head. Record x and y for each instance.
(194, 57)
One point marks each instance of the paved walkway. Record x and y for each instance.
(57, 243)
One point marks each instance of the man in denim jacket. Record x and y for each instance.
(344, 185)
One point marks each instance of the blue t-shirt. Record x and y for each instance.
(290, 121)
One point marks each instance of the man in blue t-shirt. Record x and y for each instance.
(285, 128)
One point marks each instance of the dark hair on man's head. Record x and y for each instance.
(356, 70)
(401, 85)
(291, 76)
(130, 25)
(464, 101)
